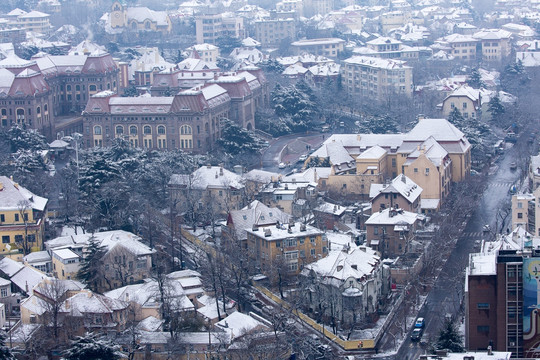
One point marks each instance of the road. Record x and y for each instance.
(447, 294)
(287, 149)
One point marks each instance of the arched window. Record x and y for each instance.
(133, 130)
(38, 110)
(20, 115)
(147, 130)
(97, 130)
(92, 88)
(147, 25)
(119, 130)
(185, 130)
(206, 127)
(161, 130)
(68, 87)
(78, 87)
(45, 108)
(134, 25)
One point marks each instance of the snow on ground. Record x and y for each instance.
(69, 230)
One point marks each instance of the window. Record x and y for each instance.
(97, 130)
(5, 239)
(415, 170)
(312, 239)
(520, 205)
(119, 130)
(312, 252)
(16, 217)
(147, 130)
(291, 255)
(161, 130)
(133, 130)
(278, 244)
(2, 218)
(3, 292)
(185, 130)
(482, 329)
(31, 238)
(464, 105)
(18, 238)
(482, 306)
(290, 242)
(427, 171)
(520, 215)
(375, 231)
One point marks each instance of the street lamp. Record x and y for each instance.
(75, 137)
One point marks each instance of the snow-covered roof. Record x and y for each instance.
(13, 197)
(330, 208)
(429, 204)
(87, 302)
(335, 152)
(209, 177)
(10, 267)
(150, 324)
(108, 239)
(58, 144)
(261, 176)
(377, 63)
(140, 14)
(405, 186)
(33, 14)
(256, 213)
(349, 262)
(374, 152)
(270, 233)
(465, 91)
(440, 129)
(392, 217)
(238, 324)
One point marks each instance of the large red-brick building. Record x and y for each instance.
(34, 93)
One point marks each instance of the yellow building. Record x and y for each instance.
(139, 19)
(65, 264)
(466, 99)
(22, 217)
(329, 47)
(290, 245)
(35, 21)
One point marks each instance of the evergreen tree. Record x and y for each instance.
(5, 351)
(179, 57)
(496, 109)
(91, 264)
(90, 347)
(450, 338)
(475, 79)
(24, 139)
(235, 139)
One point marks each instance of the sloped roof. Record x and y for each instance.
(209, 177)
(335, 152)
(109, 239)
(88, 302)
(13, 196)
(342, 264)
(383, 218)
(238, 324)
(440, 129)
(374, 152)
(256, 213)
(404, 186)
(140, 14)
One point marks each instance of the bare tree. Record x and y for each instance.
(24, 208)
(51, 294)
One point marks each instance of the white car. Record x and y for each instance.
(282, 165)
(302, 158)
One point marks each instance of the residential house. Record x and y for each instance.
(466, 99)
(126, 260)
(136, 19)
(328, 216)
(255, 214)
(524, 212)
(534, 172)
(22, 218)
(462, 47)
(287, 246)
(212, 24)
(206, 52)
(179, 289)
(210, 190)
(35, 21)
(348, 285)
(391, 231)
(23, 277)
(401, 191)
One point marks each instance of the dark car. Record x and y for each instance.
(416, 334)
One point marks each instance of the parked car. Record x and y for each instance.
(282, 165)
(513, 165)
(302, 158)
(420, 323)
(416, 334)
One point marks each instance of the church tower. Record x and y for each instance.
(118, 15)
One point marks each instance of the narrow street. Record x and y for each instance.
(445, 298)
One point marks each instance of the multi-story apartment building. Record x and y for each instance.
(35, 21)
(22, 218)
(463, 47)
(401, 191)
(524, 212)
(272, 32)
(496, 44)
(288, 246)
(314, 7)
(501, 299)
(213, 24)
(189, 120)
(206, 52)
(292, 6)
(376, 78)
(329, 47)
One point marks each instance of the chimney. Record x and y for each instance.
(254, 227)
(302, 227)
(221, 170)
(403, 178)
